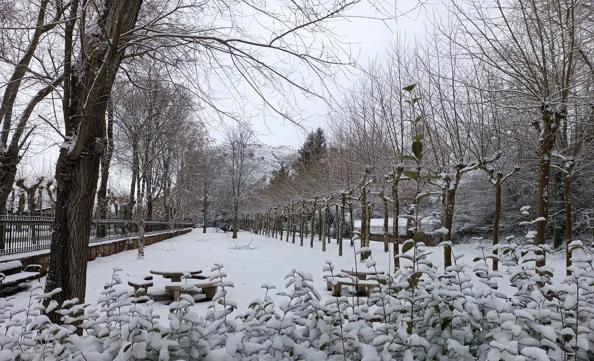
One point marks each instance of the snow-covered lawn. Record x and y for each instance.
(250, 261)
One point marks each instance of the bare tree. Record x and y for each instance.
(241, 167)
(21, 42)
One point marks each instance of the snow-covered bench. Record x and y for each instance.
(337, 277)
(12, 275)
(176, 288)
(141, 285)
(362, 287)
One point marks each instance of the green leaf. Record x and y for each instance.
(407, 246)
(445, 323)
(410, 174)
(408, 157)
(413, 101)
(419, 236)
(409, 87)
(417, 148)
(365, 255)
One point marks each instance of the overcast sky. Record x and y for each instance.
(371, 39)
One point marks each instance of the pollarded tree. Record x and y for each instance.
(531, 45)
(22, 32)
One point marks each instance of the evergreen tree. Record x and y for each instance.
(281, 175)
(313, 150)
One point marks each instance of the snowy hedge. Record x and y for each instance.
(420, 314)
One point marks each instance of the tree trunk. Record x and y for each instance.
(496, 218)
(133, 185)
(7, 175)
(363, 229)
(102, 201)
(323, 225)
(149, 205)
(235, 217)
(545, 146)
(386, 221)
(204, 206)
(320, 223)
(301, 224)
(568, 221)
(339, 225)
(140, 223)
(77, 183)
(352, 223)
(313, 224)
(287, 211)
(558, 208)
(292, 224)
(8, 170)
(395, 215)
(448, 223)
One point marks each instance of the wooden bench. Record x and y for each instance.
(141, 285)
(362, 287)
(208, 287)
(337, 276)
(12, 275)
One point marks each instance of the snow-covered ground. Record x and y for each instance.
(250, 261)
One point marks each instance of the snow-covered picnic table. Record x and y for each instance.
(362, 275)
(175, 275)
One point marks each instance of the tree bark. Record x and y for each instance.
(568, 196)
(204, 204)
(235, 217)
(301, 224)
(496, 218)
(352, 223)
(313, 223)
(448, 223)
(386, 220)
(102, 201)
(323, 225)
(549, 124)
(133, 183)
(395, 214)
(363, 230)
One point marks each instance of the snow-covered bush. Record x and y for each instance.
(419, 313)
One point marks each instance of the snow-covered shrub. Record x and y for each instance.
(419, 313)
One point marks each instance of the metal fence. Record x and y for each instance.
(21, 234)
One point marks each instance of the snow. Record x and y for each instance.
(267, 262)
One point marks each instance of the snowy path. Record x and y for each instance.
(269, 261)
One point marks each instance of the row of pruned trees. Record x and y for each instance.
(503, 96)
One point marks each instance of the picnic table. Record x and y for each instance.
(175, 275)
(362, 275)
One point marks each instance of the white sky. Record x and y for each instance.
(370, 39)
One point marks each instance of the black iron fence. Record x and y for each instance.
(20, 234)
